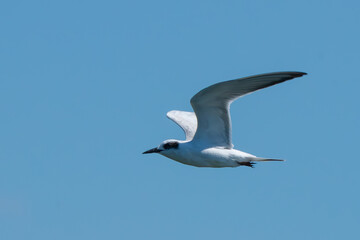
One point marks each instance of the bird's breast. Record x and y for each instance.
(208, 157)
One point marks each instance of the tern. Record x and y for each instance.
(208, 130)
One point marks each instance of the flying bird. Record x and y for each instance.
(208, 130)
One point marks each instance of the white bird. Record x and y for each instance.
(208, 130)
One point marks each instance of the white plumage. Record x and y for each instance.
(208, 130)
(186, 120)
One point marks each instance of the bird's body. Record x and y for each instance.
(208, 130)
(195, 155)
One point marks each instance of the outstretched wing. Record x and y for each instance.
(212, 104)
(186, 120)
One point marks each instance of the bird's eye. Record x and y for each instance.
(171, 145)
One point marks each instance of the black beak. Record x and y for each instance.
(153, 150)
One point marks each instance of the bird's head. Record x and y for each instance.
(165, 148)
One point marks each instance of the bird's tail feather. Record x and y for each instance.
(258, 159)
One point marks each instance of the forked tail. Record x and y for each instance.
(258, 159)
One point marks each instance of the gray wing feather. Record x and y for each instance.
(186, 120)
(212, 104)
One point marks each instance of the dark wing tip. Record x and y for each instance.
(290, 75)
(297, 74)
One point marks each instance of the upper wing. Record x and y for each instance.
(212, 104)
(186, 120)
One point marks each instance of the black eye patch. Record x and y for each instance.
(171, 145)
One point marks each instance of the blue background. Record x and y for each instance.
(84, 89)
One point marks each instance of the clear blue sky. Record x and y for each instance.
(84, 89)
